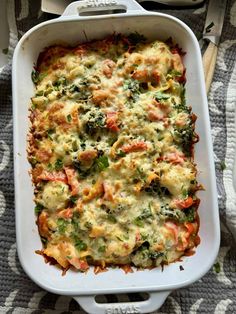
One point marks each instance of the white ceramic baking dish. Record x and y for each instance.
(72, 28)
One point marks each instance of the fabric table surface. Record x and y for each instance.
(216, 291)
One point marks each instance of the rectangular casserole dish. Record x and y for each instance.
(75, 26)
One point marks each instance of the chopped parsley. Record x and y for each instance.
(73, 199)
(59, 83)
(61, 225)
(37, 77)
(95, 122)
(154, 188)
(189, 214)
(38, 208)
(69, 118)
(147, 213)
(155, 255)
(136, 38)
(50, 132)
(102, 162)
(185, 193)
(121, 154)
(102, 249)
(111, 218)
(185, 137)
(58, 164)
(181, 107)
(73, 88)
(134, 88)
(39, 93)
(161, 96)
(186, 215)
(79, 244)
(174, 73)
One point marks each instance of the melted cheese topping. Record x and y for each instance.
(111, 148)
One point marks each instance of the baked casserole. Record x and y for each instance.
(111, 146)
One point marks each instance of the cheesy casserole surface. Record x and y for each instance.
(111, 149)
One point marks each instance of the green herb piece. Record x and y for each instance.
(209, 27)
(161, 96)
(112, 140)
(44, 240)
(185, 137)
(138, 222)
(155, 188)
(102, 162)
(74, 146)
(102, 249)
(39, 93)
(38, 208)
(136, 38)
(155, 255)
(59, 83)
(184, 193)
(141, 173)
(61, 225)
(119, 238)
(189, 214)
(58, 164)
(181, 107)
(48, 91)
(73, 88)
(121, 154)
(69, 118)
(35, 76)
(75, 223)
(111, 218)
(80, 245)
(5, 51)
(50, 167)
(134, 88)
(50, 132)
(83, 173)
(73, 199)
(217, 267)
(69, 257)
(33, 160)
(222, 165)
(147, 213)
(144, 236)
(174, 73)
(95, 123)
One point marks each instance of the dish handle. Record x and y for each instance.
(101, 7)
(154, 302)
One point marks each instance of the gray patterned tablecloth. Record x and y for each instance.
(216, 291)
